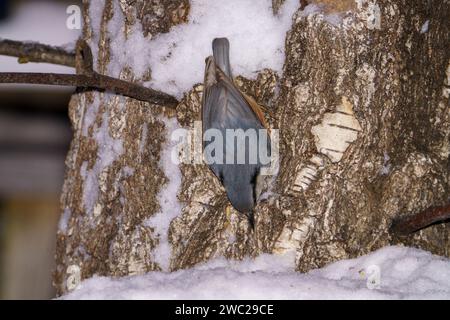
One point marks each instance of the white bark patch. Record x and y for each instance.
(326, 220)
(74, 278)
(332, 136)
(308, 174)
(136, 262)
(143, 141)
(371, 13)
(336, 132)
(373, 17)
(292, 237)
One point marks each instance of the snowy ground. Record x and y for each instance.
(389, 273)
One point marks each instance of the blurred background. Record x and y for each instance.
(34, 138)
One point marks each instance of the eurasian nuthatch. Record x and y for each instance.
(225, 108)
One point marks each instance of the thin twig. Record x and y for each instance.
(407, 225)
(95, 81)
(37, 52)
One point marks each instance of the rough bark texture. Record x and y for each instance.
(111, 188)
(363, 112)
(364, 126)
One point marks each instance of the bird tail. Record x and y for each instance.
(221, 52)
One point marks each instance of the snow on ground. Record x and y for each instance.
(390, 273)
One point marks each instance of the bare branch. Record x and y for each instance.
(36, 52)
(94, 81)
(407, 225)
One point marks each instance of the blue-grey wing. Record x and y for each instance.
(210, 102)
(225, 108)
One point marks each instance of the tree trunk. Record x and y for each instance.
(363, 112)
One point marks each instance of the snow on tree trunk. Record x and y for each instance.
(362, 106)
(113, 175)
